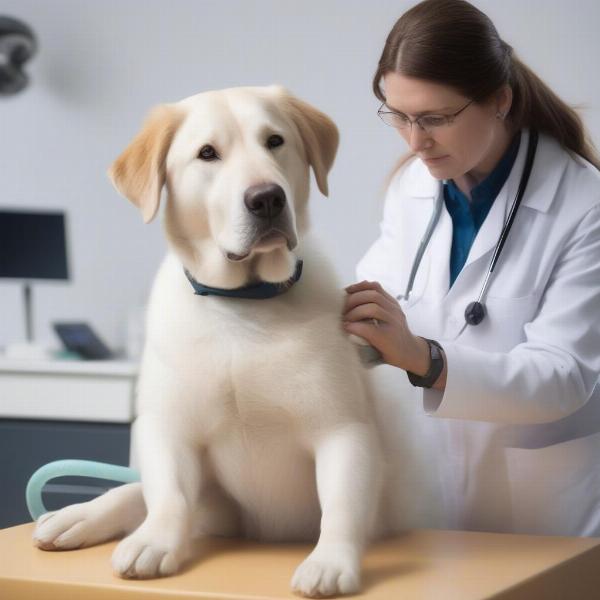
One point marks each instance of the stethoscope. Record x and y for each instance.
(475, 311)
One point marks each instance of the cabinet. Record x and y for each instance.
(52, 410)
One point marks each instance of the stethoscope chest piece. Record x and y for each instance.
(475, 313)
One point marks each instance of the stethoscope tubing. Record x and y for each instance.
(435, 217)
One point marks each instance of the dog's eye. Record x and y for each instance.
(207, 153)
(274, 141)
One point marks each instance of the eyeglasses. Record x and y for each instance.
(427, 123)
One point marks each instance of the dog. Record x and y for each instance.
(254, 412)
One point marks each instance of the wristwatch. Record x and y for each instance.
(436, 366)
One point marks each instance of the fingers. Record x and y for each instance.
(363, 329)
(369, 285)
(368, 292)
(368, 311)
(363, 285)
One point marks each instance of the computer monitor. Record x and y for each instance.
(33, 247)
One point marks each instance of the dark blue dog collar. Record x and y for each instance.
(255, 291)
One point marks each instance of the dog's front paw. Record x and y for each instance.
(150, 552)
(72, 527)
(328, 572)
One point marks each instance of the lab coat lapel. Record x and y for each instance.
(548, 169)
(425, 190)
(490, 229)
(439, 252)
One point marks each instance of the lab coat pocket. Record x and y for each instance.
(555, 489)
(506, 318)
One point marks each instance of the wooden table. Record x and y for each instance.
(419, 565)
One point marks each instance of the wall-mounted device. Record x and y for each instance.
(17, 45)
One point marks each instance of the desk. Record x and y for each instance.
(52, 410)
(419, 565)
(100, 391)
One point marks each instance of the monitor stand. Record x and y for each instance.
(28, 301)
(28, 350)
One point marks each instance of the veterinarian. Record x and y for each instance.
(484, 285)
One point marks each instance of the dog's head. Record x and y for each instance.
(235, 164)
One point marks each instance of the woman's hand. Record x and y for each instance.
(389, 332)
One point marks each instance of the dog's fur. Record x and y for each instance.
(254, 416)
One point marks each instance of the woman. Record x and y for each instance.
(510, 382)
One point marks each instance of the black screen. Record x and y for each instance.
(32, 245)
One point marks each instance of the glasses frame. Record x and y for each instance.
(449, 118)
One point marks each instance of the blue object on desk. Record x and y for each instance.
(77, 468)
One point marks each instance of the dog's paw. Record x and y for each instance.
(149, 552)
(72, 527)
(328, 572)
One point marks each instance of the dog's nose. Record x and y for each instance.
(265, 200)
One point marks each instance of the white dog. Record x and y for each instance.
(254, 413)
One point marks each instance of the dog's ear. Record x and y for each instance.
(139, 173)
(319, 134)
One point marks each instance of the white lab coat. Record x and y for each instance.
(516, 433)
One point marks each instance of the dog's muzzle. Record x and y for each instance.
(266, 203)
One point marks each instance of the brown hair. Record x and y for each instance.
(453, 43)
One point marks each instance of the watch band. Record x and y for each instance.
(435, 367)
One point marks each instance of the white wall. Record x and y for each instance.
(102, 64)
